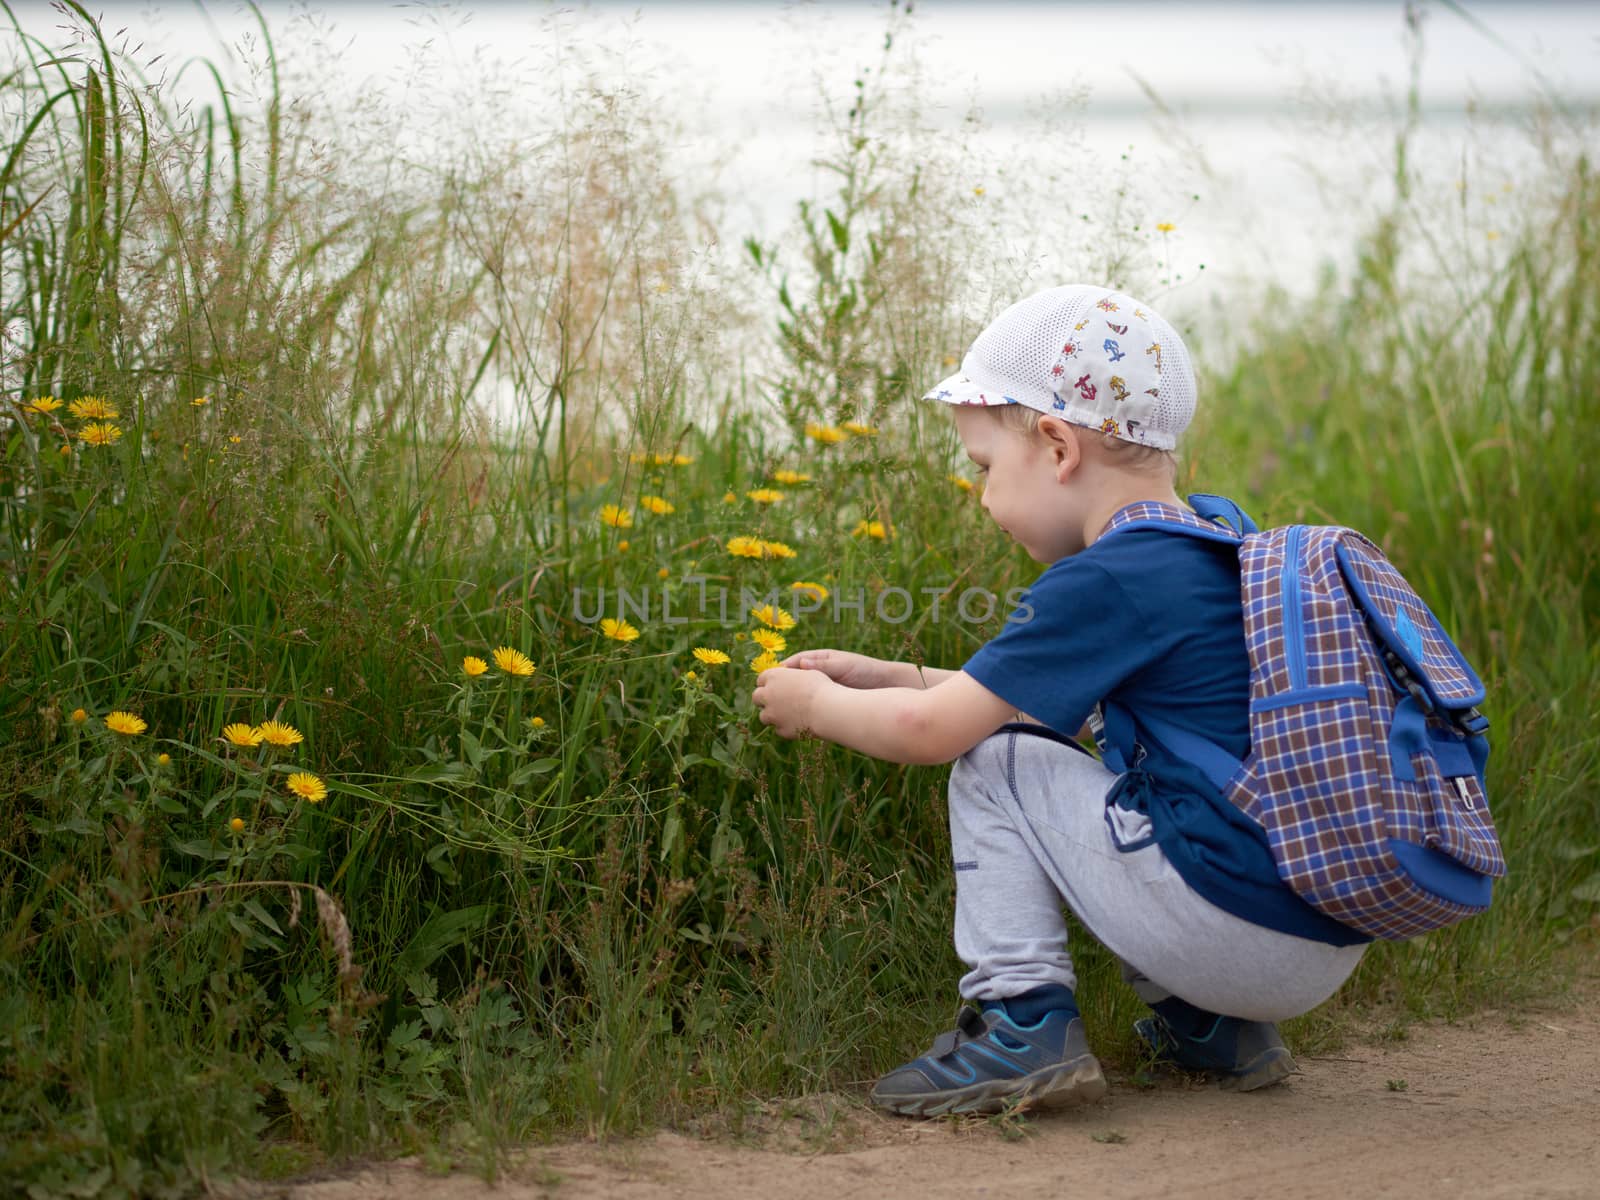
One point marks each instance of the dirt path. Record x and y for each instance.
(1489, 1108)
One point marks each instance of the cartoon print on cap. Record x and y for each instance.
(1115, 351)
(1109, 425)
(1085, 388)
(1105, 304)
(1119, 388)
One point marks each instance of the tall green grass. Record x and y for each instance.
(643, 907)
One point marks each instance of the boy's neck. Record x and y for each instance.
(1125, 490)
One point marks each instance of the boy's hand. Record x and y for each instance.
(785, 698)
(844, 667)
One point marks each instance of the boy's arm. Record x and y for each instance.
(865, 672)
(900, 724)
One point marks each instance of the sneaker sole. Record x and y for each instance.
(1061, 1085)
(1271, 1066)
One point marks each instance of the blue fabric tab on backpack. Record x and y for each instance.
(1410, 636)
(1408, 735)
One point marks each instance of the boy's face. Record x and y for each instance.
(1023, 485)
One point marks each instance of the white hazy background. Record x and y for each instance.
(1263, 133)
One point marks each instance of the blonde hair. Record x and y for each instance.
(1119, 453)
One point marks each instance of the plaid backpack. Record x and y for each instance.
(1366, 749)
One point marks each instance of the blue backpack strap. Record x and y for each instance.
(1215, 518)
(1220, 508)
(1116, 734)
(1218, 766)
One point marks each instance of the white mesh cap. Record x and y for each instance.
(1085, 354)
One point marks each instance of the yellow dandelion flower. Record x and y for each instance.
(966, 485)
(276, 733)
(473, 666)
(790, 477)
(79, 716)
(711, 658)
(741, 636)
(618, 631)
(860, 430)
(681, 460)
(44, 405)
(746, 547)
(622, 546)
(978, 191)
(813, 589)
(657, 505)
(638, 456)
(729, 498)
(65, 448)
(663, 573)
(763, 662)
(826, 434)
(765, 495)
(93, 408)
(308, 787)
(234, 439)
(512, 662)
(100, 433)
(1165, 226)
(617, 518)
(164, 760)
(876, 529)
(768, 640)
(536, 722)
(690, 676)
(949, 360)
(777, 550)
(240, 734)
(778, 618)
(200, 401)
(237, 824)
(125, 723)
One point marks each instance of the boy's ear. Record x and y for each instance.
(1061, 439)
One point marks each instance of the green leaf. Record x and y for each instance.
(196, 848)
(841, 234)
(253, 907)
(450, 772)
(539, 766)
(438, 933)
(1589, 890)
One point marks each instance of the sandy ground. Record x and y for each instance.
(1494, 1107)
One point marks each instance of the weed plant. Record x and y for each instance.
(343, 814)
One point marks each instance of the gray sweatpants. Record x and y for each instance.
(1029, 831)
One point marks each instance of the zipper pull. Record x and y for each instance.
(1461, 790)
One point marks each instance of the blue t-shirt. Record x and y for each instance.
(1154, 622)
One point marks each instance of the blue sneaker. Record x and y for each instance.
(1243, 1055)
(990, 1061)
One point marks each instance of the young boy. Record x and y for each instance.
(1070, 404)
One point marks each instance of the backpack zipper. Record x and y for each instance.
(1292, 619)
